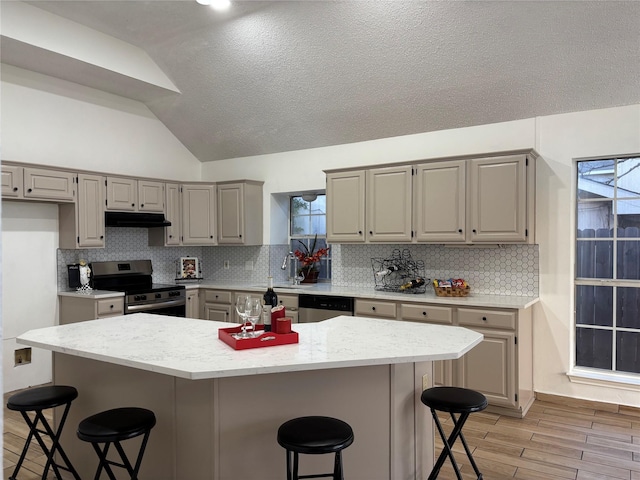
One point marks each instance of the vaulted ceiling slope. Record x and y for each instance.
(267, 77)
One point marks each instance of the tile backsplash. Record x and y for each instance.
(507, 269)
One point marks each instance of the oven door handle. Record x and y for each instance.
(155, 306)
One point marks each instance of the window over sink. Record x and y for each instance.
(308, 223)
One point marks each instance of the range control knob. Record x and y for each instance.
(158, 295)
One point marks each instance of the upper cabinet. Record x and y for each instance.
(40, 184)
(131, 195)
(240, 213)
(464, 200)
(345, 206)
(82, 223)
(198, 214)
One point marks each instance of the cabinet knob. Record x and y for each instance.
(30, 190)
(101, 237)
(484, 318)
(142, 205)
(370, 232)
(15, 189)
(424, 313)
(373, 308)
(474, 230)
(110, 306)
(170, 236)
(359, 232)
(210, 236)
(459, 230)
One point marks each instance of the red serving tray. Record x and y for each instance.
(267, 339)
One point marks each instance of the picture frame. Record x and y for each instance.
(189, 267)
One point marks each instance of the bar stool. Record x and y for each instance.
(315, 436)
(453, 400)
(36, 400)
(112, 427)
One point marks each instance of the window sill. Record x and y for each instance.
(622, 381)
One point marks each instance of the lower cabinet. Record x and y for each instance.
(290, 303)
(192, 307)
(217, 305)
(500, 367)
(81, 308)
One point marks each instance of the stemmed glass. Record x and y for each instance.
(253, 311)
(242, 304)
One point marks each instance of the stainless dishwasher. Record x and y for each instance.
(315, 308)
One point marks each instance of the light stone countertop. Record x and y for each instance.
(190, 348)
(473, 300)
(95, 294)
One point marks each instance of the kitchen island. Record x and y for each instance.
(218, 409)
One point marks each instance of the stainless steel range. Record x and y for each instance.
(134, 278)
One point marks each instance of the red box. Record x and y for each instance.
(267, 339)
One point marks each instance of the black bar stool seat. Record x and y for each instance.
(112, 427)
(314, 435)
(36, 400)
(453, 400)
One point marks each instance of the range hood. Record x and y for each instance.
(135, 219)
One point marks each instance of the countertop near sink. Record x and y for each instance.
(473, 300)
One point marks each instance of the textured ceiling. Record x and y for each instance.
(268, 77)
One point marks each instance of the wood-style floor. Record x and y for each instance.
(553, 442)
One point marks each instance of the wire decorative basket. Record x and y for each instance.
(399, 273)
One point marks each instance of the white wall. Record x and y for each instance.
(559, 139)
(49, 121)
(29, 286)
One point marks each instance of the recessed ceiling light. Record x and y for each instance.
(216, 4)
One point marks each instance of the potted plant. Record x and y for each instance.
(309, 258)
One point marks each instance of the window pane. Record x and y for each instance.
(628, 352)
(594, 259)
(627, 170)
(628, 307)
(596, 218)
(594, 305)
(595, 179)
(593, 348)
(300, 226)
(628, 212)
(319, 205)
(628, 260)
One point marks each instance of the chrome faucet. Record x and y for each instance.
(286, 265)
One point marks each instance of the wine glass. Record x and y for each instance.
(242, 302)
(253, 311)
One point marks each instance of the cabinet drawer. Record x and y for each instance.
(290, 302)
(110, 306)
(426, 313)
(486, 318)
(368, 308)
(217, 296)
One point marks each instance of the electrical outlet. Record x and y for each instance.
(425, 381)
(226, 264)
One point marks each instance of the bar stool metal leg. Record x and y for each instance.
(34, 432)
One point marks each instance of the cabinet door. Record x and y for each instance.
(345, 207)
(90, 211)
(49, 184)
(109, 307)
(11, 181)
(440, 202)
(172, 213)
(198, 215)
(219, 313)
(490, 367)
(389, 204)
(231, 214)
(192, 309)
(122, 194)
(497, 203)
(150, 196)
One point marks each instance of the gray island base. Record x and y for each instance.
(218, 409)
